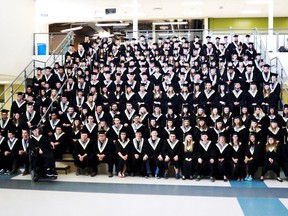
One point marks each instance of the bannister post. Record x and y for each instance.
(25, 83)
(12, 93)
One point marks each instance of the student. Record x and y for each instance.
(223, 157)
(252, 155)
(171, 153)
(139, 156)
(24, 152)
(155, 153)
(103, 152)
(189, 157)
(82, 149)
(206, 157)
(58, 142)
(272, 157)
(10, 154)
(122, 146)
(237, 158)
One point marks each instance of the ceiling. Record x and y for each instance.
(59, 11)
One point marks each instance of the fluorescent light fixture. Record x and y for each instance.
(72, 29)
(5, 82)
(170, 23)
(111, 24)
(250, 11)
(104, 34)
(188, 3)
(254, 2)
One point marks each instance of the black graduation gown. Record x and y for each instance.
(275, 165)
(82, 148)
(10, 160)
(18, 107)
(252, 166)
(171, 150)
(154, 150)
(223, 152)
(124, 148)
(91, 130)
(206, 152)
(5, 126)
(47, 157)
(107, 149)
(188, 167)
(237, 152)
(138, 165)
(59, 149)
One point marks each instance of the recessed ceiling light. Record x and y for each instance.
(158, 8)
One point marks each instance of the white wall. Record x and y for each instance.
(17, 21)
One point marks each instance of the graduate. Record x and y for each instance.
(223, 157)
(39, 142)
(82, 150)
(189, 157)
(138, 155)
(103, 152)
(5, 122)
(206, 157)
(272, 158)
(155, 154)
(123, 148)
(237, 158)
(58, 142)
(19, 105)
(10, 154)
(252, 154)
(172, 154)
(23, 153)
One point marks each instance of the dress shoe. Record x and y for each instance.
(110, 174)
(25, 172)
(93, 174)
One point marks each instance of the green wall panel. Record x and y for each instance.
(215, 23)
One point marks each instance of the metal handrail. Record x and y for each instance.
(44, 116)
(67, 40)
(24, 71)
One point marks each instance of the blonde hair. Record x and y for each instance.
(186, 143)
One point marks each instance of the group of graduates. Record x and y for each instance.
(207, 109)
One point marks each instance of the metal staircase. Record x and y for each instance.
(28, 72)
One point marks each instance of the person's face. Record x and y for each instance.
(274, 124)
(189, 138)
(222, 139)
(101, 137)
(154, 134)
(170, 123)
(204, 137)
(99, 109)
(136, 119)
(208, 86)
(123, 136)
(138, 135)
(244, 110)
(58, 130)
(25, 134)
(35, 132)
(252, 138)
(30, 108)
(84, 136)
(70, 110)
(235, 138)
(90, 119)
(271, 140)
(53, 116)
(172, 137)
(116, 121)
(254, 124)
(219, 124)
(236, 121)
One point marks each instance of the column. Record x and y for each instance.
(135, 19)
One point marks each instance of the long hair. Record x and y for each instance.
(274, 144)
(186, 143)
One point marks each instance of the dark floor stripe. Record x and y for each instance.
(178, 190)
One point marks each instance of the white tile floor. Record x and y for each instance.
(46, 203)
